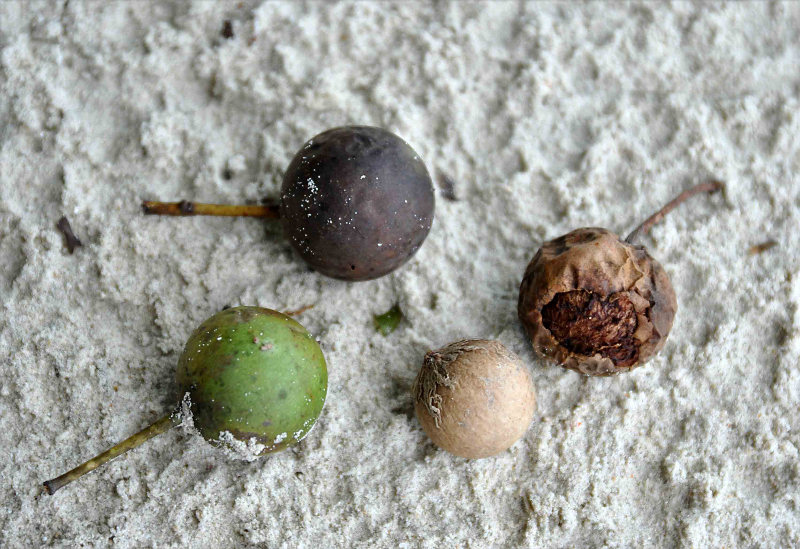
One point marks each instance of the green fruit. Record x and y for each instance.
(254, 373)
(255, 381)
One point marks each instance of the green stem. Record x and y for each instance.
(161, 426)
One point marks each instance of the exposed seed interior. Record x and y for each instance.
(589, 324)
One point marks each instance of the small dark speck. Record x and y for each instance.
(227, 174)
(447, 186)
(227, 29)
(71, 240)
(763, 247)
(298, 474)
(405, 408)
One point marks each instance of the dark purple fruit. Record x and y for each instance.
(356, 202)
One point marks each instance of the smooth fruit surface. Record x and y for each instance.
(256, 374)
(474, 398)
(356, 202)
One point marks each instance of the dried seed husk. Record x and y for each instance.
(619, 282)
(474, 398)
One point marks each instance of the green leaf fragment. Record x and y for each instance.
(387, 322)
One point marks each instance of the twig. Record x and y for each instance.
(763, 247)
(448, 186)
(298, 311)
(647, 224)
(161, 426)
(72, 241)
(185, 207)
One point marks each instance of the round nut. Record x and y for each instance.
(474, 398)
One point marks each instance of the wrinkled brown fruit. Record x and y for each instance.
(596, 304)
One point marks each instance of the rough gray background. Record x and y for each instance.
(547, 117)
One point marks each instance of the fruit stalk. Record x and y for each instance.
(185, 207)
(647, 224)
(161, 426)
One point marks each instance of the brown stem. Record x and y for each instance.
(161, 426)
(71, 240)
(184, 207)
(763, 247)
(647, 224)
(298, 311)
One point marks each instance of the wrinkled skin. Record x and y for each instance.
(356, 202)
(624, 294)
(255, 373)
